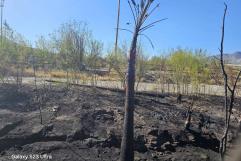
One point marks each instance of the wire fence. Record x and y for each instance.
(160, 81)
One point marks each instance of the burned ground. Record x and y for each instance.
(85, 123)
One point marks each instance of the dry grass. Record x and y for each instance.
(112, 76)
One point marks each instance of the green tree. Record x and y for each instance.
(93, 57)
(71, 41)
(189, 67)
(117, 61)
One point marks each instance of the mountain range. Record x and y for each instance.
(232, 58)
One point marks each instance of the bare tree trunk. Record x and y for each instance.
(127, 147)
(188, 121)
(127, 152)
(228, 102)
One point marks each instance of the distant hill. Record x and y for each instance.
(234, 58)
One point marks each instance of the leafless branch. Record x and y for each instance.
(236, 80)
(132, 11)
(148, 14)
(148, 40)
(222, 41)
(216, 58)
(126, 30)
(133, 2)
(137, 10)
(151, 24)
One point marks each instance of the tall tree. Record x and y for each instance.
(140, 11)
(93, 57)
(71, 41)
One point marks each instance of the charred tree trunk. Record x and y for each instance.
(189, 116)
(127, 152)
(228, 90)
(139, 12)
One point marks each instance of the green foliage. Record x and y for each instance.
(73, 48)
(93, 57)
(154, 63)
(189, 66)
(70, 42)
(14, 47)
(117, 60)
(141, 64)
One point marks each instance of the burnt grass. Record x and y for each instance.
(84, 123)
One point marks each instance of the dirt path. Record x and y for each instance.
(204, 89)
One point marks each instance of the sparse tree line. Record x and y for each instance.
(73, 50)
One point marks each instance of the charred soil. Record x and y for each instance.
(85, 124)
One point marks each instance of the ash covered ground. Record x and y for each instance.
(85, 124)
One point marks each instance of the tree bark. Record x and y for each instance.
(127, 149)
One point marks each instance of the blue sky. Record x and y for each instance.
(191, 23)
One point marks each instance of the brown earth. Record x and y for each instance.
(85, 123)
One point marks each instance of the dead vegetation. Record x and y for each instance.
(75, 125)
